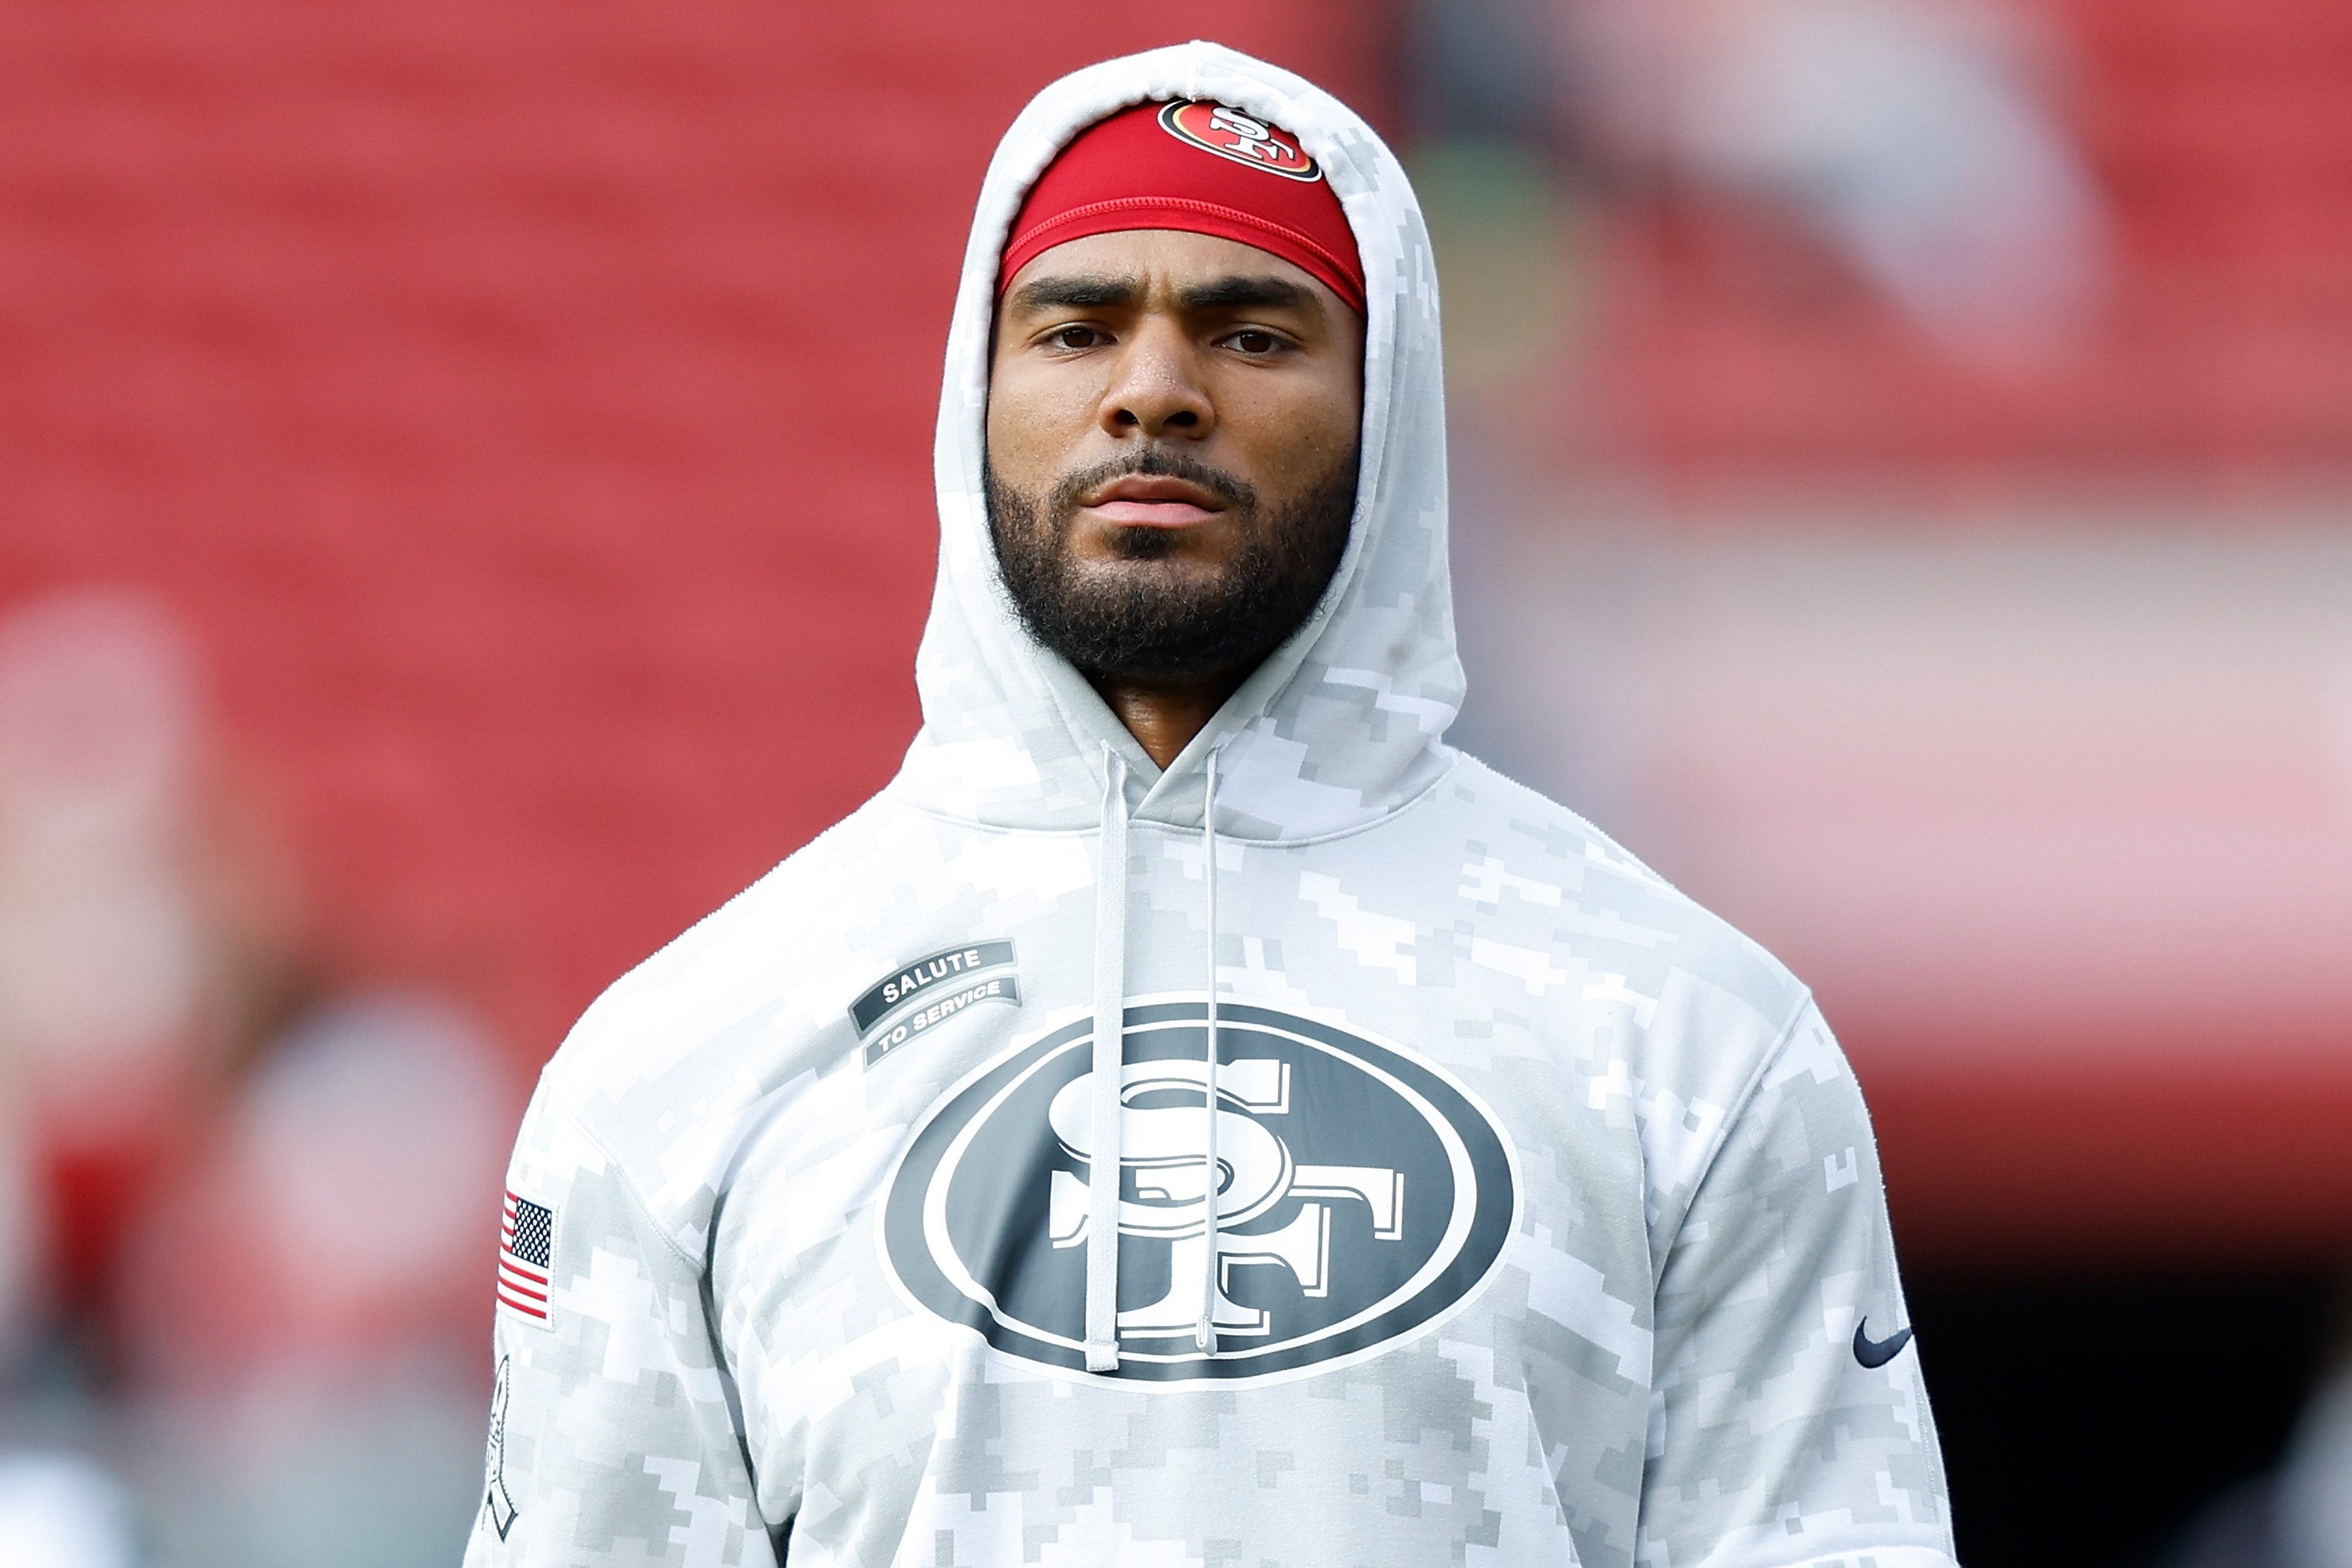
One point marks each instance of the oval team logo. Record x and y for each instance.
(1230, 133)
(1362, 1195)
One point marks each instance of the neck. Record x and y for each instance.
(1164, 715)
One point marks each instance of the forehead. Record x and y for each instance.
(1161, 259)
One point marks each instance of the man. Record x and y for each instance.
(1192, 1114)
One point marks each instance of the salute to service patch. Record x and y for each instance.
(944, 984)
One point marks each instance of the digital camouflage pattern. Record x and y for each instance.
(1548, 1219)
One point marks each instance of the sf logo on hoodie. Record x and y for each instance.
(1162, 1164)
(1361, 1194)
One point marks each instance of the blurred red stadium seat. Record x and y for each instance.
(530, 406)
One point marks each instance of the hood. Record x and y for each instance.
(1343, 724)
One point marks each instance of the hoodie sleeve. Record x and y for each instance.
(611, 1436)
(1789, 1424)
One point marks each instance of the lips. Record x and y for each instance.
(1153, 501)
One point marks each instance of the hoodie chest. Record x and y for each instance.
(1353, 1164)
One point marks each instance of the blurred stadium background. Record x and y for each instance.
(465, 511)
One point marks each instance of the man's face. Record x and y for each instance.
(1172, 427)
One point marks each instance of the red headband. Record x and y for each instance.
(1197, 166)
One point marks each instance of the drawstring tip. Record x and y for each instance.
(1102, 1358)
(1202, 1340)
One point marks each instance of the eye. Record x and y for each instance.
(1076, 335)
(1257, 342)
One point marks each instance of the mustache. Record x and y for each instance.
(1155, 462)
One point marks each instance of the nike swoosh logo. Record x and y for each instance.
(1875, 1353)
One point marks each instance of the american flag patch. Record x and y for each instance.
(526, 1249)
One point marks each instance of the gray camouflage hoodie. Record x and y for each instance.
(1322, 1152)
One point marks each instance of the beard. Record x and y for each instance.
(1143, 624)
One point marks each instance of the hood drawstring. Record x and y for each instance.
(1110, 1066)
(1204, 1335)
(1103, 1168)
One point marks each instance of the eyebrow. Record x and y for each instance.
(1085, 291)
(1076, 292)
(1239, 292)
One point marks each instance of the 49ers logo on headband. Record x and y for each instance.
(1230, 133)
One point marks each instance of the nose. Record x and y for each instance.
(1156, 389)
